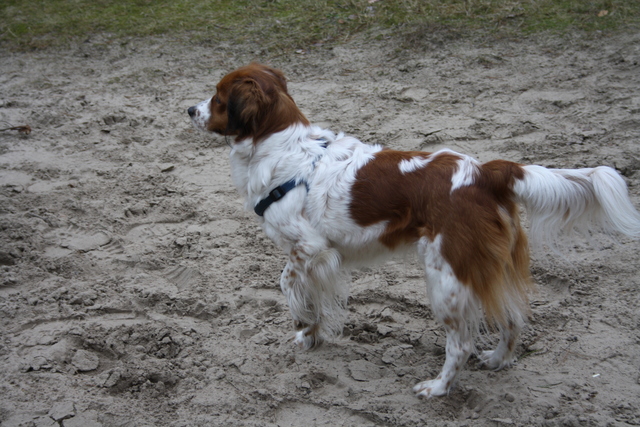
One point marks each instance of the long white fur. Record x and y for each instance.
(413, 164)
(313, 218)
(559, 200)
(466, 173)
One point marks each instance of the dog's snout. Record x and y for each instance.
(191, 111)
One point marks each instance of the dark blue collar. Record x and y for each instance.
(274, 195)
(279, 192)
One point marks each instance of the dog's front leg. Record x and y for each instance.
(305, 319)
(315, 293)
(307, 337)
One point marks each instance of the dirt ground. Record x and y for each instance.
(135, 291)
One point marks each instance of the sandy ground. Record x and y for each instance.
(134, 290)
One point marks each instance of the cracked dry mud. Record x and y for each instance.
(134, 290)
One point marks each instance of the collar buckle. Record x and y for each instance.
(277, 193)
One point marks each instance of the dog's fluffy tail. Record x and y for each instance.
(560, 200)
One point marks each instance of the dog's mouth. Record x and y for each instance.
(199, 123)
(196, 118)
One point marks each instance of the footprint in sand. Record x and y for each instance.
(74, 238)
(183, 276)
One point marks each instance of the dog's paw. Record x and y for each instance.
(492, 360)
(431, 388)
(306, 339)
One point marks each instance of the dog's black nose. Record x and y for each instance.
(191, 111)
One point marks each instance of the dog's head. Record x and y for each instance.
(250, 102)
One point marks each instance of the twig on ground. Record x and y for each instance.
(26, 129)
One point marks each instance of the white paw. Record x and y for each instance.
(431, 388)
(301, 341)
(305, 340)
(492, 360)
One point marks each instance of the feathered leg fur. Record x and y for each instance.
(316, 293)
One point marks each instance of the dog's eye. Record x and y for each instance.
(216, 99)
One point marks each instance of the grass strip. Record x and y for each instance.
(296, 24)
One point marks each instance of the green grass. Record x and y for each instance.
(287, 24)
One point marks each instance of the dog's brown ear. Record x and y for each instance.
(279, 76)
(245, 108)
(258, 104)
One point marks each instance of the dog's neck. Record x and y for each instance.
(258, 168)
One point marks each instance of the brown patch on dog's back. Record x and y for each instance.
(482, 238)
(409, 202)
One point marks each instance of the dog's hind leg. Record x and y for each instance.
(451, 307)
(454, 306)
(504, 355)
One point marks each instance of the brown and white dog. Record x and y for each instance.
(333, 203)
